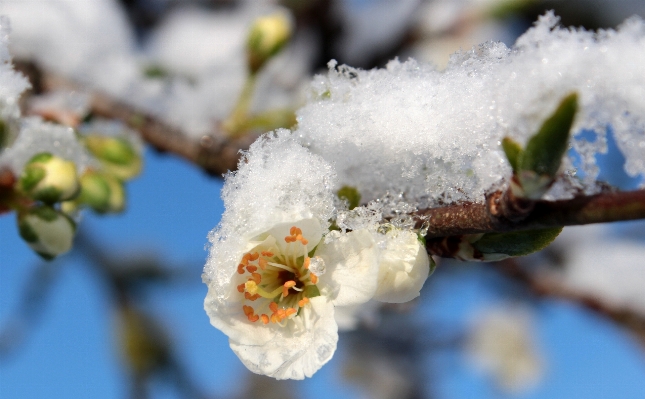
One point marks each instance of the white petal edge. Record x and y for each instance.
(294, 352)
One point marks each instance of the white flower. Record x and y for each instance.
(501, 343)
(404, 265)
(278, 313)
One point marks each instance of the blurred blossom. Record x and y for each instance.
(609, 268)
(501, 343)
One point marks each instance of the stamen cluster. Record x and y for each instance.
(279, 279)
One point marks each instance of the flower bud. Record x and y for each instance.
(47, 231)
(267, 37)
(117, 155)
(102, 192)
(404, 265)
(49, 178)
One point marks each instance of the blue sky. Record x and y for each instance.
(71, 351)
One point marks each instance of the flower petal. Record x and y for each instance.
(404, 266)
(297, 350)
(227, 316)
(351, 267)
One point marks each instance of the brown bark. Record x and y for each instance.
(473, 218)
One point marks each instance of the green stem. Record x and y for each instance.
(236, 121)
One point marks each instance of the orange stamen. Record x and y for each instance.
(265, 319)
(289, 239)
(263, 263)
(254, 256)
(273, 306)
(240, 268)
(306, 263)
(286, 286)
(303, 302)
(314, 279)
(240, 288)
(247, 310)
(253, 318)
(293, 231)
(251, 269)
(300, 238)
(268, 254)
(290, 311)
(251, 297)
(257, 277)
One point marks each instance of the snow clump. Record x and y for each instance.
(435, 136)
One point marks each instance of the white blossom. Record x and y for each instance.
(279, 316)
(501, 343)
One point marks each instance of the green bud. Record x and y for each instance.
(116, 154)
(350, 194)
(47, 231)
(49, 179)
(102, 192)
(267, 37)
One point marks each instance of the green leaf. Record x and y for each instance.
(311, 291)
(518, 243)
(45, 212)
(40, 157)
(544, 151)
(350, 194)
(4, 134)
(26, 231)
(48, 195)
(31, 176)
(433, 266)
(513, 150)
(422, 239)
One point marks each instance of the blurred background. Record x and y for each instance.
(121, 316)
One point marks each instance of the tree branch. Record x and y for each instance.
(501, 212)
(548, 287)
(473, 218)
(213, 152)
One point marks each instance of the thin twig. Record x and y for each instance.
(548, 287)
(213, 152)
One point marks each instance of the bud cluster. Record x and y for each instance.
(50, 189)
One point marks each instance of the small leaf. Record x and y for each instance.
(352, 196)
(433, 265)
(311, 291)
(421, 239)
(513, 150)
(518, 243)
(31, 176)
(544, 151)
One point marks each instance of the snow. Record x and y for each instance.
(434, 137)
